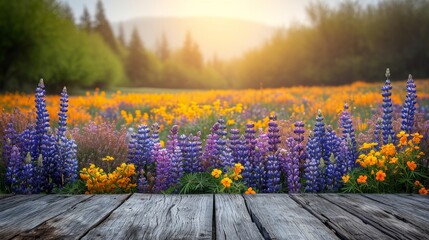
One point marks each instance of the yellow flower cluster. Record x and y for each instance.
(389, 166)
(227, 179)
(98, 181)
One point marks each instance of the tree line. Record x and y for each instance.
(41, 39)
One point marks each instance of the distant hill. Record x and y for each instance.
(228, 38)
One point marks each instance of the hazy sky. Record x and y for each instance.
(272, 12)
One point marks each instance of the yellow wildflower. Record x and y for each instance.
(346, 178)
(108, 158)
(368, 145)
(216, 173)
(226, 182)
(388, 150)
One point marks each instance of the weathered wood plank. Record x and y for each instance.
(145, 216)
(378, 215)
(30, 214)
(16, 200)
(74, 223)
(5, 195)
(346, 225)
(280, 217)
(233, 221)
(423, 199)
(408, 208)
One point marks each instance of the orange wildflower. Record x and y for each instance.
(411, 165)
(362, 179)
(380, 175)
(226, 182)
(250, 191)
(423, 191)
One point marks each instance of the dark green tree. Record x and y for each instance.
(102, 26)
(121, 35)
(162, 48)
(137, 65)
(85, 21)
(191, 53)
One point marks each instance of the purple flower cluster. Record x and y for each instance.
(36, 159)
(409, 108)
(387, 128)
(348, 133)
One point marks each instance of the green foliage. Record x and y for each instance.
(39, 41)
(343, 44)
(213, 183)
(76, 187)
(195, 183)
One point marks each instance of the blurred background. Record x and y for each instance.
(209, 44)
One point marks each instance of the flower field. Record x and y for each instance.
(355, 138)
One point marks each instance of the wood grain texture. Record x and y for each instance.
(233, 221)
(16, 200)
(29, 215)
(379, 215)
(145, 216)
(410, 210)
(78, 220)
(346, 225)
(3, 195)
(280, 217)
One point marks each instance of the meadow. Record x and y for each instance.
(357, 138)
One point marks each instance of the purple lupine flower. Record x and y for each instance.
(249, 175)
(163, 168)
(409, 108)
(141, 146)
(377, 131)
(222, 128)
(273, 134)
(262, 143)
(299, 139)
(197, 153)
(173, 140)
(272, 174)
(387, 128)
(319, 134)
(19, 173)
(220, 148)
(42, 117)
(25, 141)
(242, 155)
(292, 160)
(348, 133)
(192, 154)
(66, 148)
(311, 169)
(225, 158)
(10, 139)
(211, 149)
(341, 164)
(155, 133)
(176, 165)
(327, 166)
(62, 114)
(142, 183)
(52, 170)
(70, 163)
(234, 142)
(258, 170)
